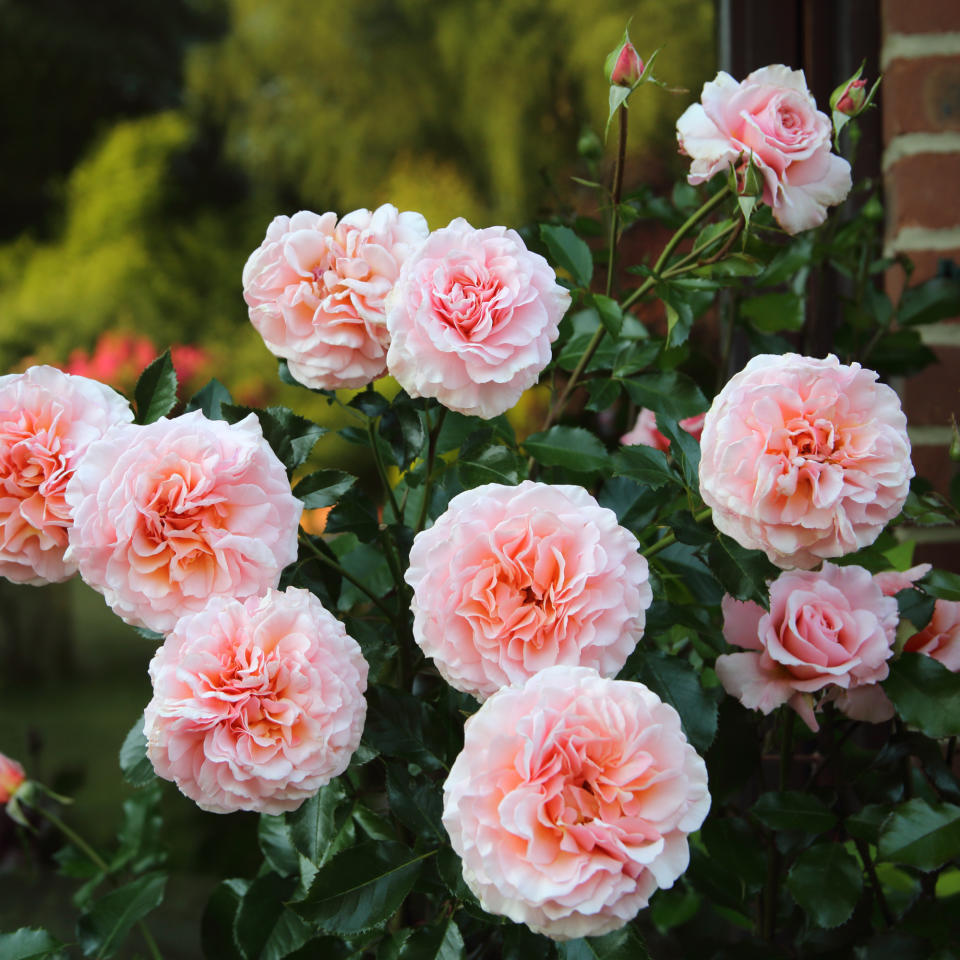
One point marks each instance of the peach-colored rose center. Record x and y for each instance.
(33, 468)
(469, 302)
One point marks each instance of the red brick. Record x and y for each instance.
(932, 396)
(925, 264)
(920, 96)
(920, 16)
(924, 191)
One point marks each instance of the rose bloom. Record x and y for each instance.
(571, 801)
(511, 580)
(256, 703)
(316, 289)
(12, 775)
(472, 318)
(771, 117)
(47, 420)
(170, 514)
(645, 432)
(830, 631)
(804, 459)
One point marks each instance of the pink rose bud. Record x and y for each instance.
(627, 67)
(852, 98)
(11, 777)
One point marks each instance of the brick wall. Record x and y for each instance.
(920, 58)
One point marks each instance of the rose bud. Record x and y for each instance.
(11, 777)
(851, 99)
(624, 66)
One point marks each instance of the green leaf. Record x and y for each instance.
(742, 573)
(137, 768)
(276, 844)
(672, 393)
(216, 924)
(826, 883)
(915, 606)
(495, 464)
(291, 437)
(156, 390)
(102, 929)
(677, 683)
(571, 447)
(866, 823)
(792, 810)
(647, 465)
(210, 400)
(684, 449)
(264, 928)
(935, 299)
(27, 944)
(943, 584)
(772, 312)
(442, 941)
(611, 315)
(569, 252)
(618, 97)
(622, 944)
(361, 888)
(323, 488)
(926, 694)
(317, 827)
(921, 834)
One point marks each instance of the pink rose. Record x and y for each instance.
(772, 117)
(12, 775)
(316, 290)
(571, 801)
(940, 638)
(170, 514)
(257, 703)
(891, 582)
(511, 580)
(804, 458)
(645, 432)
(472, 318)
(47, 420)
(830, 631)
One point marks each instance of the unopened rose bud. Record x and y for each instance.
(852, 98)
(11, 777)
(749, 180)
(627, 66)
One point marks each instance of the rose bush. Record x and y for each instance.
(317, 286)
(472, 318)
(172, 513)
(804, 458)
(572, 800)
(772, 119)
(256, 703)
(47, 420)
(512, 580)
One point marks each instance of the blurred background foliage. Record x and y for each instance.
(145, 149)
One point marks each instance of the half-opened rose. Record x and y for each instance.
(472, 318)
(168, 515)
(571, 801)
(316, 289)
(645, 433)
(256, 703)
(47, 420)
(772, 117)
(511, 580)
(804, 458)
(828, 633)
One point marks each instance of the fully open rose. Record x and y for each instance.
(804, 458)
(472, 318)
(256, 704)
(572, 800)
(316, 289)
(828, 633)
(511, 580)
(47, 420)
(170, 514)
(771, 117)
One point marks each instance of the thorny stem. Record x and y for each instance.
(671, 537)
(323, 558)
(100, 864)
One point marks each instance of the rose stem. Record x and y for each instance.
(647, 284)
(323, 558)
(100, 864)
(669, 538)
(622, 117)
(864, 852)
(381, 470)
(431, 460)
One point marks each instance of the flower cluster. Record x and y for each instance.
(463, 315)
